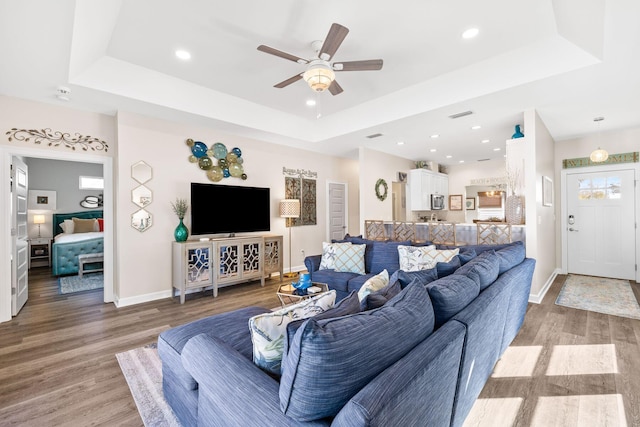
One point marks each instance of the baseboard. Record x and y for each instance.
(537, 299)
(139, 299)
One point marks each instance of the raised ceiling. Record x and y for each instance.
(571, 60)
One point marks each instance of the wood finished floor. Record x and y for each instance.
(58, 365)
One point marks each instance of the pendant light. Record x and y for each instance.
(599, 155)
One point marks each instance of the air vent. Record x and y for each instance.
(374, 135)
(483, 160)
(462, 114)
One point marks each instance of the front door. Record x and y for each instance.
(20, 258)
(337, 211)
(601, 223)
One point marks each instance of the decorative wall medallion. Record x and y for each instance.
(217, 161)
(57, 138)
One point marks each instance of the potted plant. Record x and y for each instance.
(180, 207)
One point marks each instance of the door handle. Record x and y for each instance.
(573, 229)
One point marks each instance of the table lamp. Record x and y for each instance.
(38, 219)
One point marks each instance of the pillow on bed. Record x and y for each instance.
(100, 222)
(83, 225)
(67, 226)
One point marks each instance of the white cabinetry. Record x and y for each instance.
(422, 184)
(224, 262)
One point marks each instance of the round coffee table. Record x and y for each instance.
(286, 295)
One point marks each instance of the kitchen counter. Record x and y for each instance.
(465, 232)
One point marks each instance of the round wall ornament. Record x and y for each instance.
(381, 189)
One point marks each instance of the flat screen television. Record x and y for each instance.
(218, 209)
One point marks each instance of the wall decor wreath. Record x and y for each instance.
(381, 189)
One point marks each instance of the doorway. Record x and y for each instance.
(337, 210)
(6, 250)
(599, 236)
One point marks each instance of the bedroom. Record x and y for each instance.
(60, 183)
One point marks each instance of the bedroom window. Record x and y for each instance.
(91, 183)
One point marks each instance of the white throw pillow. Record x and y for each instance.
(67, 226)
(329, 255)
(269, 330)
(373, 284)
(417, 258)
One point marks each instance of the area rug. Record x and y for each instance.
(70, 284)
(143, 371)
(599, 294)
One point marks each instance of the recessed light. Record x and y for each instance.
(183, 54)
(496, 149)
(400, 142)
(461, 161)
(484, 141)
(470, 33)
(435, 135)
(311, 102)
(449, 156)
(433, 150)
(476, 127)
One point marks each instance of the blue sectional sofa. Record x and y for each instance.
(417, 352)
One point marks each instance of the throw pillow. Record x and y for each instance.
(379, 298)
(511, 256)
(67, 226)
(350, 259)
(405, 277)
(268, 329)
(414, 258)
(329, 255)
(83, 225)
(331, 360)
(373, 284)
(483, 269)
(384, 255)
(451, 294)
(466, 255)
(100, 224)
(446, 268)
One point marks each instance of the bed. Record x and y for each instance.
(67, 246)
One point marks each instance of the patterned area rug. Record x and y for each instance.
(599, 294)
(70, 284)
(143, 371)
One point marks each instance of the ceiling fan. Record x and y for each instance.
(320, 71)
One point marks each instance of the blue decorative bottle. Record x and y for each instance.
(518, 133)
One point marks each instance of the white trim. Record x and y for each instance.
(139, 299)
(6, 153)
(563, 206)
(537, 298)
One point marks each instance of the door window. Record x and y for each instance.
(599, 188)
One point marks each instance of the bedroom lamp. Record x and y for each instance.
(38, 219)
(289, 209)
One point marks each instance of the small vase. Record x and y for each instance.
(514, 210)
(518, 133)
(181, 233)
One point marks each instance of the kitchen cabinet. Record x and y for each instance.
(422, 184)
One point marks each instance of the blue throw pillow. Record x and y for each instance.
(384, 256)
(483, 269)
(466, 256)
(511, 256)
(331, 360)
(444, 269)
(406, 277)
(379, 298)
(451, 294)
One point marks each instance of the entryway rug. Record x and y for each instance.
(143, 371)
(599, 294)
(70, 284)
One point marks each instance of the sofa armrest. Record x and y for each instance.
(312, 262)
(231, 389)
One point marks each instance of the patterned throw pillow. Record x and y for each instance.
(350, 259)
(416, 258)
(329, 254)
(373, 284)
(268, 330)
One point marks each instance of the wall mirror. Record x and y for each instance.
(141, 196)
(141, 220)
(141, 172)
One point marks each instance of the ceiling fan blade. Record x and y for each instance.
(334, 39)
(287, 82)
(371, 64)
(335, 88)
(281, 54)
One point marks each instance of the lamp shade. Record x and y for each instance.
(319, 75)
(599, 155)
(290, 208)
(38, 219)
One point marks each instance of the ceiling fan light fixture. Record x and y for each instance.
(319, 75)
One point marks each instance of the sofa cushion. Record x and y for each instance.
(335, 280)
(380, 297)
(483, 269)
(356, 282)
(331, 360)
(406, 277)
(466, 255)
(329, 255)
(350, 259)
(451, 294)
(268, 330)
(446, 268)
(375, 283)
(415, 258)
(510, 256)
(384, 255)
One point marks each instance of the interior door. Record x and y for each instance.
(20, 258)
(601, 223)
(337, 211)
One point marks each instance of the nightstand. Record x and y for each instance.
(40, 252)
